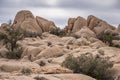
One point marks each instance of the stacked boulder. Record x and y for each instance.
(75, 24)
(93, 23)
(26, 21)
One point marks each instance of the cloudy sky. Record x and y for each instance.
(60, 10)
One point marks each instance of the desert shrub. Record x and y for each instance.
(40, 78)
(30, 34)
(58, 32)
(95, 66)
(42, 63)
(107, 37)
(26, 71)
(49, 44)
(15, 53)
(10, 35)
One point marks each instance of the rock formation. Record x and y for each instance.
(26, 21)
(75, 24)
(95, 24)
(42, 56)
(45, 24)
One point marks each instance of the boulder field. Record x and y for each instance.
(43, 55)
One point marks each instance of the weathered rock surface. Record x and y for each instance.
(25, 20)
(78, 24)
(48, 77)
(45, 24)
(75, 24)
(92, 21)
(53, 70)
(85, 32)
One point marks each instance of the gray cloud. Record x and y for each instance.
(60, 10)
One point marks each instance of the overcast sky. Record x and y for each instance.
(60, 10)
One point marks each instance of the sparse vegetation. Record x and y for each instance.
(10, 37)
(95, 66)
(42, 63)
(58, 32)
(30, 34)
(107, 37)
(49, 44)
(26, 71)
(40, 78)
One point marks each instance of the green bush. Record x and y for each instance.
(95, 66)
(58, 32)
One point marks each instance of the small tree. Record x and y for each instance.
(10, 36)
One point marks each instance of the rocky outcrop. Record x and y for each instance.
(45, 24)
(44, 55)
(25, 20)
(101, 27)
(92, 21)
(75, 24)
(95, 24)
(78, 24)
(98, 25)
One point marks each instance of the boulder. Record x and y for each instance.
(97, 44)
(92, 21)
(45, 24)
(75, 24)
(69, 26)
(78, 24)
(85, 32)
(101, 27)
(13, 65)
(25, 20)
(55, 51)
(73, 77)
(53, 70)
(71, 21)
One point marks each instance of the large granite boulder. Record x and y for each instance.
(25, 20)
(45, 24)
(85, 32)
(92, 21)
(75, 24)
(78, 24)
